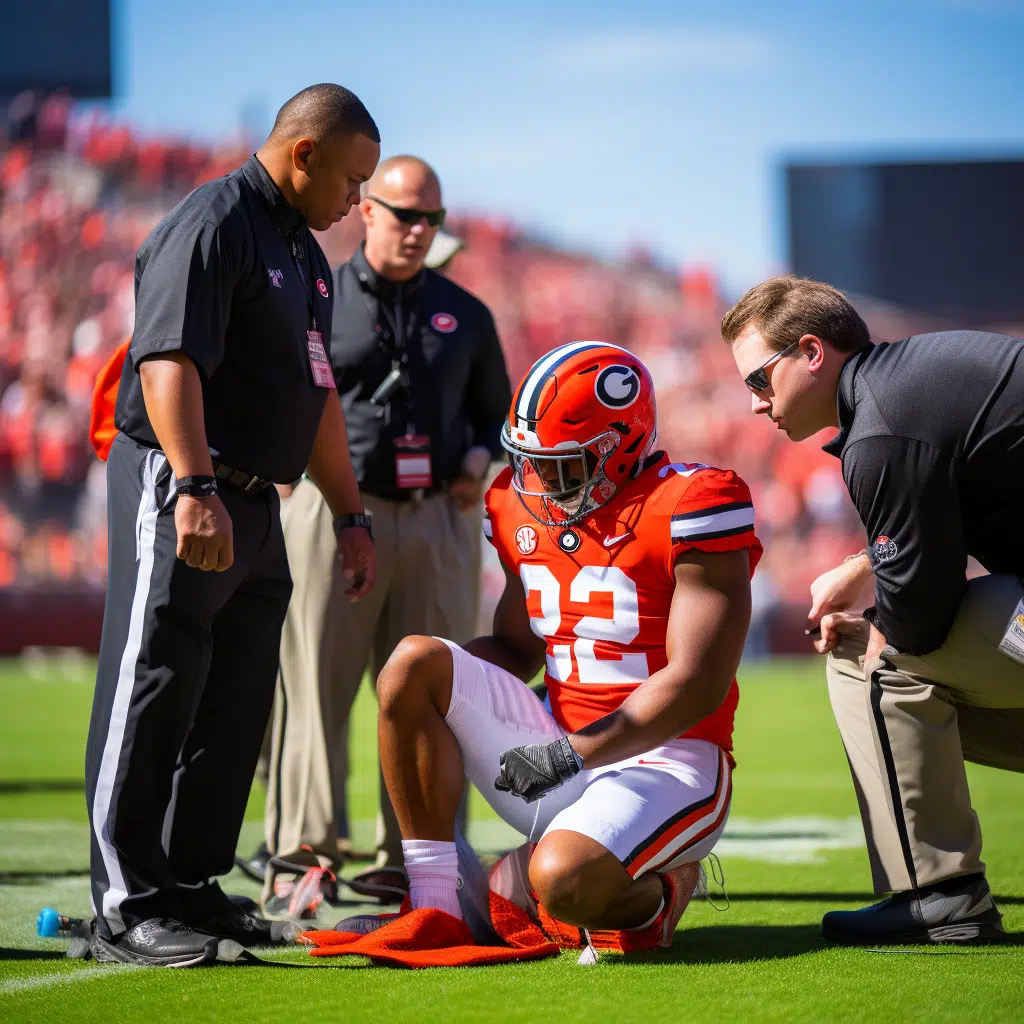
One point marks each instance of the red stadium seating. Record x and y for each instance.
(74, 207)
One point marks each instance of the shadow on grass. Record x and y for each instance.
(716, 944)
(6, 953)
(747, 943)
(38, 877)
(8, 786)
(864, 898)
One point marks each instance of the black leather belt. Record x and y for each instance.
(398, 497)
(236, 478)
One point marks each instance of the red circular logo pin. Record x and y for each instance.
(526, 540)
(443, 323)
(323, 288)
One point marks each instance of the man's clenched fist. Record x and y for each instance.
(204, 533)
(534, 770)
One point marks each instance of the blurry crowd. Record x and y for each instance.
(79, 194)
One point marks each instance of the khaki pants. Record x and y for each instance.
(428, 567)
(909, 725)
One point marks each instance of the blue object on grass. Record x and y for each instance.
(48, 923)
(51, 925)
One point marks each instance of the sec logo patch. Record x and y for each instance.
(526, 540)
(443, 323)
(321, 286)
(885, 548)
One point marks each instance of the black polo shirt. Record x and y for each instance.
(932, 444)
(459, 392)
(233, 278)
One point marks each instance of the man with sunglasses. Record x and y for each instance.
(931, 438)
(422, 379)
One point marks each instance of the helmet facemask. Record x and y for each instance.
(561, 485)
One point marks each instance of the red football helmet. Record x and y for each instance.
(582, 422)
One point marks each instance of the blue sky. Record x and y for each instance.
(603, 124)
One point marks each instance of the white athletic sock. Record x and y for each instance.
(433, 869)
(654, 917)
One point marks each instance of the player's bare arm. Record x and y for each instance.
(512, 644)
(704, 640)
(706, 631)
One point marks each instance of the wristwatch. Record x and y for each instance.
(354, 519)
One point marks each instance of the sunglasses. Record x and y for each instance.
(434, 218)
(758, 380)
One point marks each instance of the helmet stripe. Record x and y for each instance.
(530, 392)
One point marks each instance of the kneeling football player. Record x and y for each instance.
(628, 581)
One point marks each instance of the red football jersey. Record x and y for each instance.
(599, 592)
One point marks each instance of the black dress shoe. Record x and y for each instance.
(164, 942)
(249, 929)
(958, 910)
(254, 867)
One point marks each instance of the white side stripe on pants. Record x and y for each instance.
(145, 536)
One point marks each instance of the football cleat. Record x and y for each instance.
(680, 885)
(510, 878)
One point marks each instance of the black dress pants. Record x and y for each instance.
(184, 688)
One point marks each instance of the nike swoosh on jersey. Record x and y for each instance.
(611, 541)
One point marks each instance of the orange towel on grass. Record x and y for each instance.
(432, 938)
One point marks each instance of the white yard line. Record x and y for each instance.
(64, 978)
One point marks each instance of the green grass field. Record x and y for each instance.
(793, 850)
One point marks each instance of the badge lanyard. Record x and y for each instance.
(413, 463)
(400, 347)
(319, 363)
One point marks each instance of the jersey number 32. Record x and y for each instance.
(621, 628)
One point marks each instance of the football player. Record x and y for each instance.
(627, 579)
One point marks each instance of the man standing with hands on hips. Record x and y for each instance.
(424, 386)
(226, 390)
(931, 438)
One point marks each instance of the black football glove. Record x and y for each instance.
(534, 770)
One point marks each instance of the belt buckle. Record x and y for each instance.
(254, 485)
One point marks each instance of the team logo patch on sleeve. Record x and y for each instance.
(444, 323)
(885, 548)
(526, 540)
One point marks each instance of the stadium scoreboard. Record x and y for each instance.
(55, 44)
(935, 237)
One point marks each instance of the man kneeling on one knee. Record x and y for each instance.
(627, 576)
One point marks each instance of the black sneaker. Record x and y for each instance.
(233, 923)
(958, 910)
(164, 942)
(387, 884)
(254, 867)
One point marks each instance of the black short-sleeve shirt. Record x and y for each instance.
(932, 444)
(233, 278)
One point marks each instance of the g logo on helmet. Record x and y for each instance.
(617, 387)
